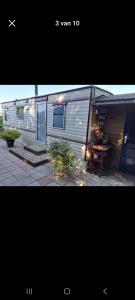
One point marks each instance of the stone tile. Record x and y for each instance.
(34, 184)
(39, 168)
(21, 176)
(24, 182)
(5, 176)
(20, 183)
(10, 184)
(90, 183)
(24, 174)
(32, 171)
(70, 184)
(95, 181)
(8, 181)
(27, 180)
(30, 181)
(88, 176)
(18, 171)
(10, 169)
(49, 164)
(38, 175)
(105, 184)
(45, 181)
(60, 180)
(26, 168)
(53, 183)
(3, 171)
(44, 169)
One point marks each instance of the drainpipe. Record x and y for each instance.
(36, 90)
(89, 119)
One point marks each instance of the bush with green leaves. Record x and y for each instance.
(1, 121)
(63, 155)
(11, 134)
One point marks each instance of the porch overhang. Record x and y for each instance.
(113, 103)
(115, 100)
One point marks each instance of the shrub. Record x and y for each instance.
(10, 134)
(63, 155)
(1, 121)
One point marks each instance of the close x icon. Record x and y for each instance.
(11, 23)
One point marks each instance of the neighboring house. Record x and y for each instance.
(78, 116)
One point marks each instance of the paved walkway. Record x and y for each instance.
(15, 172)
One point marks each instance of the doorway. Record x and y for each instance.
(127, 162)
(41, 122)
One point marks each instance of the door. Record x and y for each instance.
(41, 122)
(127, 162)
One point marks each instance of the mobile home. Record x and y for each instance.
(64, 115)
(78, 116)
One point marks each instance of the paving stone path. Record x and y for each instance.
(15, 172)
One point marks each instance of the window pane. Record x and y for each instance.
(59, 110)
(6, 115)
(20, 112)
(58, 116)
(58, 121)
(41, 122)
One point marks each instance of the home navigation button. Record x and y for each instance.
(67, 291)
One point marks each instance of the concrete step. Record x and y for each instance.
(35, 149)
(30, 158)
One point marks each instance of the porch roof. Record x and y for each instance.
(116, 99)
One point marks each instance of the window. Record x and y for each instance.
(58, 116)
(6, 114)
(20, 113)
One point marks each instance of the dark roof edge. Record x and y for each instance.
(115, 100)
(111, 102)
(66, 91)
(16, 100)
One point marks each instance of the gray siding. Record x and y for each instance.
(29, 118)
(76, 116)
(26, 136)
(71, 95)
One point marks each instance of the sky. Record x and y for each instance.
(12, 92)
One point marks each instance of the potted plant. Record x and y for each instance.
(10, 135)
